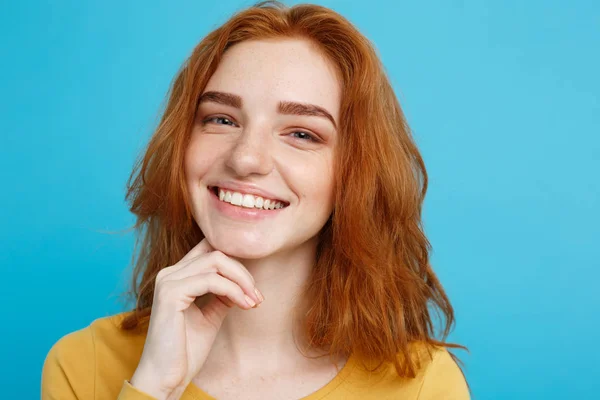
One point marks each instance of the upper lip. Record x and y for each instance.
(247, 189)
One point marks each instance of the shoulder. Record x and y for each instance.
(438, 377)
(442, 378)
(101, 332)
(77, 360)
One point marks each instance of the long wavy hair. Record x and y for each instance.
(372, 284)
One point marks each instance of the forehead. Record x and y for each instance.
(268, 71)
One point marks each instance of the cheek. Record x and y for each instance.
(325, 195)
(197, 159)
(317, 184)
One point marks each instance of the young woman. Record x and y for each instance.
(283, 255)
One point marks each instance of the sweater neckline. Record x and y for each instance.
(198, 394)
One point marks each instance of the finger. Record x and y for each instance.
(202, 247)
(223, 265)
(226, 301)
(183, 292)
(198, 250)
(205, 299)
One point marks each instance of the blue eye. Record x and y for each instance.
(305, 136)
(219, 119)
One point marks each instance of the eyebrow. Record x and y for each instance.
(285, 107)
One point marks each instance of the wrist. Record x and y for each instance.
(150, 386)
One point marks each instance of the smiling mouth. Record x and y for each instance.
(247, 200)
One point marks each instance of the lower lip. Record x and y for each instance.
(239, 212)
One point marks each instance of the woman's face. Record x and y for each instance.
(266, 127)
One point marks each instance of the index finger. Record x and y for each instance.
(199, 249)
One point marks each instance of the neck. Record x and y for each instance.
(273, 332)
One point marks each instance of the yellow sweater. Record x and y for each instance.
(96, 363)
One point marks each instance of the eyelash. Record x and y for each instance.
(311, 137)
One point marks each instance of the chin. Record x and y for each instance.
(241, 247)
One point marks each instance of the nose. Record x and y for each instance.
(251, 153)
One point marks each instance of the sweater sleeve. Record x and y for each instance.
(444, 379)
(129, 392)
(69, 371)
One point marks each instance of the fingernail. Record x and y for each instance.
(259, 295)
(251, 302)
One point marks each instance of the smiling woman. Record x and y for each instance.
(262, 129)
(283, 257)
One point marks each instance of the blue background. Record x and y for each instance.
(503, 97)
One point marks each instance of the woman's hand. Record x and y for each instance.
(181, 334)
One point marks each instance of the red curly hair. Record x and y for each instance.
(372, 284)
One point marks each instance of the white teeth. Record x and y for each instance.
(236, 199)
(248, 200)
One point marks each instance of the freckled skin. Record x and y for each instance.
(260, 147)
(255, 144)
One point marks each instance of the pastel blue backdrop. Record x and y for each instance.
(503, 98)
